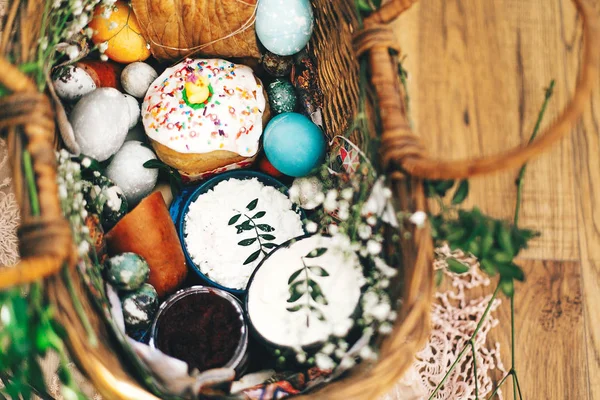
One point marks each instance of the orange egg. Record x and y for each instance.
(122, 32)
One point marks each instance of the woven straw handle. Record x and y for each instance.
(403, 151)
(44, 240)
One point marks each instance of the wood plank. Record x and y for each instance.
(586, 144)
(477, 76)
(550, 335)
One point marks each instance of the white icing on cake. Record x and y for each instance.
(230, 120)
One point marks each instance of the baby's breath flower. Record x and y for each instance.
(344, 214)
(307, 192)
(328, 349)
(301, 357)
(324, 362)
(364, 231)
(347, 193)
(372, 220)
(347, 363)
(102, 47)
(367, 353)
(386, 328)
(312, 227)
(72, 52)
(333, 229)
(374, 247)
(384, 268)
(418, 218)
(330, 204)
(341, 329)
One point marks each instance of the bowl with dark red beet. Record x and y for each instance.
(205, 327)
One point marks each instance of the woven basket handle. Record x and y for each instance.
(45, 239)
(403, 151)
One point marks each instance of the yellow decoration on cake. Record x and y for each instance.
(197, 91)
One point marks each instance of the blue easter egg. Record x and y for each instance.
(284, 27)
(294, 144)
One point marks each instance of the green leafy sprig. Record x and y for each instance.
(494, 242)
(263, 232)
(302, 284)
(173, 175)
(510, 240)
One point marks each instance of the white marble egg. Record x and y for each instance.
(137, 77)
(73, 83)
(134, 110)
(127, 171)
(100, 122)
(284, 27)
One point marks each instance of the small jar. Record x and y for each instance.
(205, 327)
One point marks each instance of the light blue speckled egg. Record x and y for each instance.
(294, 144)
(284, 27)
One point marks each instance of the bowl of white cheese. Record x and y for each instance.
(232, 222)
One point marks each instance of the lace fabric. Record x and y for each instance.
(9, 212)
(454, 319)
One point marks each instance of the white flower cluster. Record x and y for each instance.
(73, 16)
(70, 192)
(355, 213)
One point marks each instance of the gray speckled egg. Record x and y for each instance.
(72, 83)
(137, 77)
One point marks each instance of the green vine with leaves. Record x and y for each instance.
(264, 239)
(311, 290)
(495, 243)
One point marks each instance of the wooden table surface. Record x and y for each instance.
(478, 70)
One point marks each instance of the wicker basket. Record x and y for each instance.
(46, 244)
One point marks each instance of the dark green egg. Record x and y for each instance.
(106, 200)
(282, 96)
(115, 207)
(139, 307)
(277, 65)
(127, 271)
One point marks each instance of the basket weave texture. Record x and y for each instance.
(27, 117)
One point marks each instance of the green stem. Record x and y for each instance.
(466, 347)
(307, 294)
(512, 344)
(499, 384)
(31, 186)
(536, 129)
(257, 234)
(472, 342)
(93, 339)
(516, 378)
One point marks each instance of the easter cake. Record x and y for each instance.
(205, 115)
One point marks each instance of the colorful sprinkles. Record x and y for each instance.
(230, 119)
